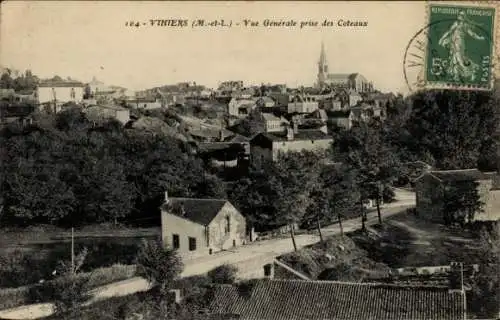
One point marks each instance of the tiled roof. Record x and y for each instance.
(201, 211)
(460, 175)
(297, 299)
(338, 113)
(301, 135)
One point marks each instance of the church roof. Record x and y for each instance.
(338, 76)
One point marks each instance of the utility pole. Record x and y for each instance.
(72, 251)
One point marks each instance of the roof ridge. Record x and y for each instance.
(207, 199)
(374, 284)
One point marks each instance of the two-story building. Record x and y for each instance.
(201, 226)
(50, 91)
(268, 146)
(267, 122)
(302, 104)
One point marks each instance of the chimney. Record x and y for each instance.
(324, 129)
(269, 271)
(166, 197)
(175, 295)
(289, 133)
(456, 276)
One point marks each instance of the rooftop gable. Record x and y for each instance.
(271, 299)
(201, 211)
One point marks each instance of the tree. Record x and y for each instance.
(223, 274)
(292, 179)
(485, 293)
(70, 289)
(158, 264)
(461, 202)
(254, 197)
(455, 128)
(372, 161)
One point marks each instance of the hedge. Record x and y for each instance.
(16, 297)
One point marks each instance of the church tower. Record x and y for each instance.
(322, 66)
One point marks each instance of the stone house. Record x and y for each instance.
(268, 146)
(431, 187)
(268, 122)
(201, 226)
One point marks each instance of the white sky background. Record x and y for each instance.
(76, 38)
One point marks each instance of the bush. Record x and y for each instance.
(15, 297)
(16, 269)
(160, 265)
(224, 274)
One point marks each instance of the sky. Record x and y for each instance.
(86, 39)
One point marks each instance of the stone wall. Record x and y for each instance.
(219, 239)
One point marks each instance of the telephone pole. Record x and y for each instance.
(72, 251)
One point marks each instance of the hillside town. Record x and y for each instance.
(333, 200)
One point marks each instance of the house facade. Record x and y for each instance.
(431, 189)
(240, 107)
(99, 113)
(268, 122)
(269, 146)
(60, 91)
(201, 226)
(302, 104)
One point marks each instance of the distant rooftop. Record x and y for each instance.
(63, 83)
(301, 135)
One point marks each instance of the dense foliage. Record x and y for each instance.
(69, 171)
(447, 129)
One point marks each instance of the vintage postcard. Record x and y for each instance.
(253, 160)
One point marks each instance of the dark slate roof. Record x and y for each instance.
(298, 299)
(460, 175)
(301, 135)
(201, 211)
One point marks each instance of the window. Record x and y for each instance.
(192, 244)
(73, 95)
(227, 228)
(175, 241)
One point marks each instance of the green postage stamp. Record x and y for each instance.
(460, 47)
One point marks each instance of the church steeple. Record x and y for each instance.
(322, 66)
